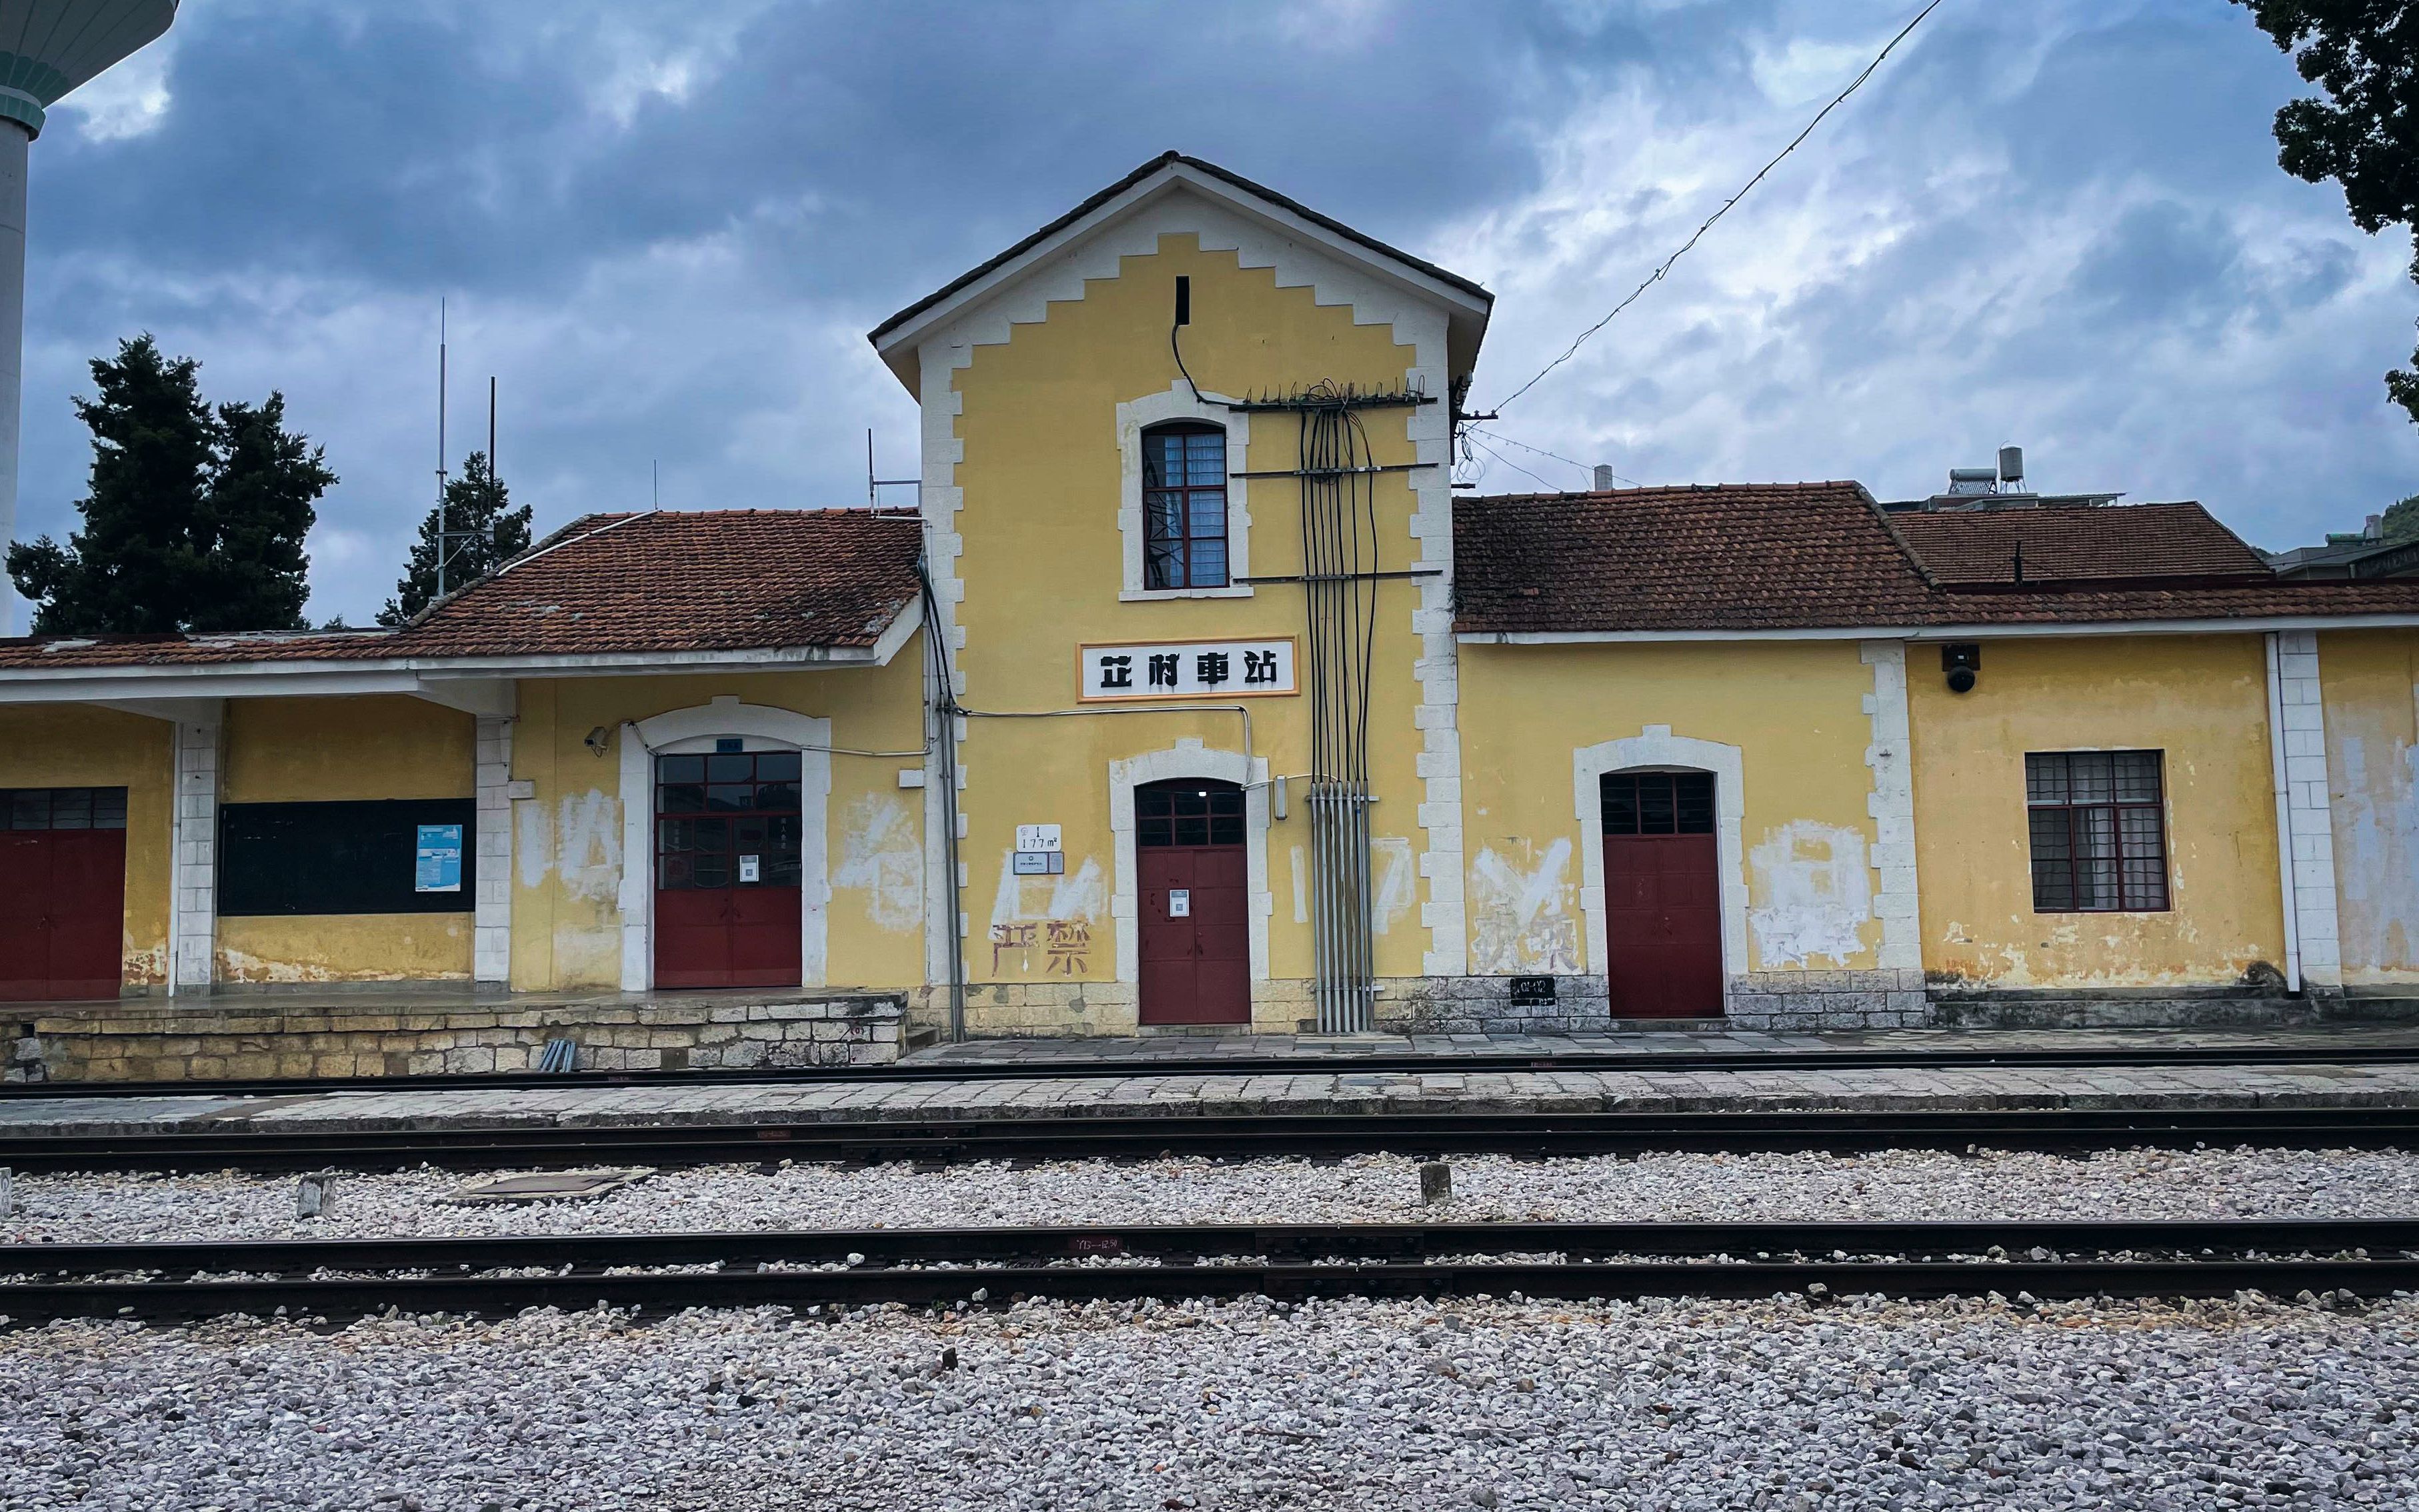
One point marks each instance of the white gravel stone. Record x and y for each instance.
(1665, 1406)
(1895, 1184)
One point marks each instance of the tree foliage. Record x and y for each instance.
(481, 532)
(195, 517)
(2364, 134)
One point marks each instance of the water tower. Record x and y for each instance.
(47, 48)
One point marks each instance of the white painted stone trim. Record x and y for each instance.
(1437, 667)
(1135, 416)
(1188, 758)
(491, 919)
(1658, 749)
(681, 731)
(2308, 837)
(194, 872)
(1891, 758)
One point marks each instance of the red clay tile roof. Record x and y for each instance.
(676, 580)
(1734, 557)
(2074, 543)
(1809, 555)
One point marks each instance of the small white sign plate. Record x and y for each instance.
(1037, 836)
(750, 869)
(1180, 902)
(1185, 670)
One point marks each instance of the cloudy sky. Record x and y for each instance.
(667, 228)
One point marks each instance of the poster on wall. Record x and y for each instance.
(438, 861)
(1185, 669)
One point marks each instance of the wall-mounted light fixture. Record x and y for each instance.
(1962, 661)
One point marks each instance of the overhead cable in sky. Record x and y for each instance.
(1656, 276)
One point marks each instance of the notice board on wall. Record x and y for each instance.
(369, 858)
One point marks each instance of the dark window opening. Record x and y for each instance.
(2098, 828)
(1658, 803)
(1184, 506)
(343, 857)
(62, 808)
(713, 813)
(1191, 811)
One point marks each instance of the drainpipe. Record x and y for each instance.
(2284, 816)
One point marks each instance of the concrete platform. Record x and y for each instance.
(1160, 1087)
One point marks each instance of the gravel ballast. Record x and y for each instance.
(1775, 1404)
(1889, 1185)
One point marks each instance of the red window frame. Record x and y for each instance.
(1184, 506)
(2096, 823)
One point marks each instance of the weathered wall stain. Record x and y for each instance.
(2376, 854)
(883, 856)
(1810, 894)
(1300, 887)
(1396, 880)
(588, 831)
(1523, 920)
(1056, 916)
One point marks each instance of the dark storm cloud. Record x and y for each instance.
(667, 228)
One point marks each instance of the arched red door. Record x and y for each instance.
(1662, 895)
(1195, 939)
(727, 878)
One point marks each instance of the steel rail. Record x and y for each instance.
(2368, 1258)
(1264, 1135)
(1293, 1065)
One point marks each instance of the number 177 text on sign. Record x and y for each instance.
(1186, 669)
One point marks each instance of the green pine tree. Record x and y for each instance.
(482, 532)
(2402, 520)
(194, 519)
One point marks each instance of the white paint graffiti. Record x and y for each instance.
(1390, 858)
(882, 855)
(1521, 921)
(1811, 894)
(534, 849)
(1079, 894)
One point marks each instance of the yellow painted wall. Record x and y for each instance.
(78, 745)
(346, 749)
(567, 839)
(2368, 679)
(1043, 568)
(1794, 710)
(2202, 700)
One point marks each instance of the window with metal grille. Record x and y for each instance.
(1188, 813)
(2099, 831)
(713, 813)
(62, 808)
(1658, 803)
(1184, 506)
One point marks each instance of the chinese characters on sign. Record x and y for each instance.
(1202, 668)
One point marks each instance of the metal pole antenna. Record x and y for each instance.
(440, 447)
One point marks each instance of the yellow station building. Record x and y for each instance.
(1193, 697)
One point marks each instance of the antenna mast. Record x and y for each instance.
(443, 535)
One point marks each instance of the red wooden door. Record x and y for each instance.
(1195, 955)
(728, 832)
(62, 892)
(1662, 896)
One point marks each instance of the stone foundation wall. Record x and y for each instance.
(1827, 1001)
(218, 1041)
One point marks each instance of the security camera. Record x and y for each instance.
(597, 740)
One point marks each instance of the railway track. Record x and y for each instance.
(1262, 1135)
(1675, 1060)
(340, 1279)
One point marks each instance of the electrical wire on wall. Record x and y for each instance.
(1339, 549)
(943, 707)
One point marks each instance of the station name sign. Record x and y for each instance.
(1185, 670)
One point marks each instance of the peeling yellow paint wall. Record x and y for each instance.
(1043, 571)
(78, 745)
(1797, 713)
(2368, 679)
(336, 750)
(303, 948)
(567, 857)
(2201, 700)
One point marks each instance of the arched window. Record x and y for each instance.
(1184, 506)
